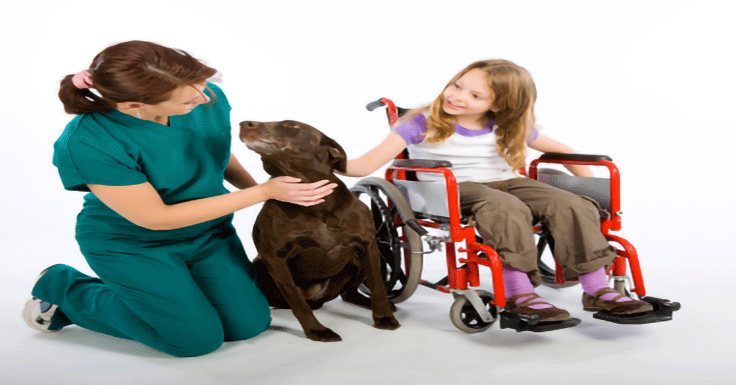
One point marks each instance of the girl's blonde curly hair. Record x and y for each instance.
(514, 92)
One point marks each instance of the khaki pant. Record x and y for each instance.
(505, 210)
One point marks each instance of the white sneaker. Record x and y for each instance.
(38, 313)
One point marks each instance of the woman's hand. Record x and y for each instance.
(291, 190)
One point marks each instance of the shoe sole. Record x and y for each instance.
(32, 313)
(37, 319)
(641, 309)
(530, 312)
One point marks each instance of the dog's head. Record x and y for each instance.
(290, 147)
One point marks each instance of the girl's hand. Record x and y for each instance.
(291, 190)
(372, 160)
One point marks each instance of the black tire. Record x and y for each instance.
(402, 259)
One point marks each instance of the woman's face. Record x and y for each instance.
(182, 101)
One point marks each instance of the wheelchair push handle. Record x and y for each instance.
(392, 112)
(375, 104)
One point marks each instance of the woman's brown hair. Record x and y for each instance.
(133, 71)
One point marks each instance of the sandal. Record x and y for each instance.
(550, 314)
(595, 303)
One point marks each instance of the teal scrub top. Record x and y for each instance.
(183, 161)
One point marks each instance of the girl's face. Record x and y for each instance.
(470, 97)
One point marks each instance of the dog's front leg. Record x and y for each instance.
(314, 330)
(383, 316)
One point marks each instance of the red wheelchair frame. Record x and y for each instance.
(463, 273)
(611, 223)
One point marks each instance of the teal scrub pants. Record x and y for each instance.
(184, 297)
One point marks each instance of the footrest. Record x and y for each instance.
(663, 309)
(531, 323)
(549, 326)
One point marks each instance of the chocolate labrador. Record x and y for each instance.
(310, 255)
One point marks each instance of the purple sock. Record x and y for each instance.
(596, 280)
(517, 282)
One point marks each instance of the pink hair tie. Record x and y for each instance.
(82, 80)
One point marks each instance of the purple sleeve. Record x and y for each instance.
(533, 135)
(412, 131)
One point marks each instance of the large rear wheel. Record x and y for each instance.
(400, 246)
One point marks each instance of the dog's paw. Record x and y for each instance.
(323, 335)
(386, 323)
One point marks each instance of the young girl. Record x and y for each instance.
(482, 122)
(152, 145)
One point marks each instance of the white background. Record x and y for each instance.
(649, 83)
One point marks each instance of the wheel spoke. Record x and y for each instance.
(401, 277)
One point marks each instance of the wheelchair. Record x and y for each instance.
(405, 208)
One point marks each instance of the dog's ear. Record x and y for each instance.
(338, 158)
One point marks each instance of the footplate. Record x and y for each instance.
(531, 323)
(663, 309)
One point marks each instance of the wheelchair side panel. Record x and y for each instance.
(598, 189)
(426, 197)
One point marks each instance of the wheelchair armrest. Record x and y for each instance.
(574, 157)
(422, 163)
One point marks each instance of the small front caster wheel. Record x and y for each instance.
(464, 316)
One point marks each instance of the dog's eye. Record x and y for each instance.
(293, 125)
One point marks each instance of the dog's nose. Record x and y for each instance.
(249, 124)
(249, 131)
